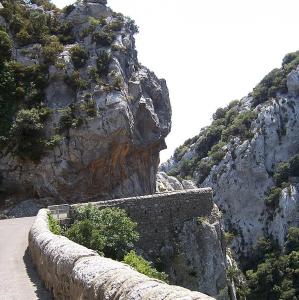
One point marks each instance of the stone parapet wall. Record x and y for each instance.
(160, 216)
(72, 271)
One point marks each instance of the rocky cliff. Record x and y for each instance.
(249, 156)
(81, 117)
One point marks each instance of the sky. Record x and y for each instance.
(209, 51)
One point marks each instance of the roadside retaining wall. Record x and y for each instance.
(160, 216)
(72, 271)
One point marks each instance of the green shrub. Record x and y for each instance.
(23, 37)
(79, 56)
(53, 141)
(76, 82)
(282, 173)
(275, 277)
(19, 84)
(110, 225)
(219, 114)
(294, 166)
(217, 153)
(275, 81)
(132, 26)
(87, 234)
(204, 168)
(54, 226)
(286, 169)
(103, 62)
(51, 50)
(239, 126)
(94, 22)
(116, 25)
(8, 101)
(68, 119)
(290, 62)
(118, 82)
(68, 9)
(143, 266)
(5, 46)
(27, 133)
(229, 237)
(202, 220)
(27, 25)
(90, 107)
(104, 37)
(180, 152)
(65, 33)
(292, 242)
(272, 199)
(271, 84)
(208, 138)
(289, 58)
(186, 167)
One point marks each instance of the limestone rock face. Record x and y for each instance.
(167, 183)
(114, 152)
(200, 262)
(244, 176)
(288, 215)
(82, 11)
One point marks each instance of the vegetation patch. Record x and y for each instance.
(111, 233)
(143, 266)
(5, 46)
(68, 119)
(275, 274)
(76, 82)
(275, 81)
(51, 50)
(79, 56)
(104, 37)
(103, 62)
(27, 133)
(284, 171)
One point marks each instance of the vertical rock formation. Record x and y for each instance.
(111, 113)
(242, 154)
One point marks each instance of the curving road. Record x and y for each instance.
(18, 278)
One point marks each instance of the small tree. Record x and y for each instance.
(292, 243)
(103, 62)
(107, 230)
(27, 133)
(79, 56)
(5, 46)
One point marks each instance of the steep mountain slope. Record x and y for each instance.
(249, 156)
(79, 116)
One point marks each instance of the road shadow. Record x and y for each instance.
(40, 290)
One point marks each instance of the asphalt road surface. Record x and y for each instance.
(18, 278)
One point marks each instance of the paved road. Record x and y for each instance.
(18, 278)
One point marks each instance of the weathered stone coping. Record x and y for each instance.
(72, 271)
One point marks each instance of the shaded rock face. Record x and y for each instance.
(114, 153)
(199, 262)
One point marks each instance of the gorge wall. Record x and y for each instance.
(99, 113)
(249, 155)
